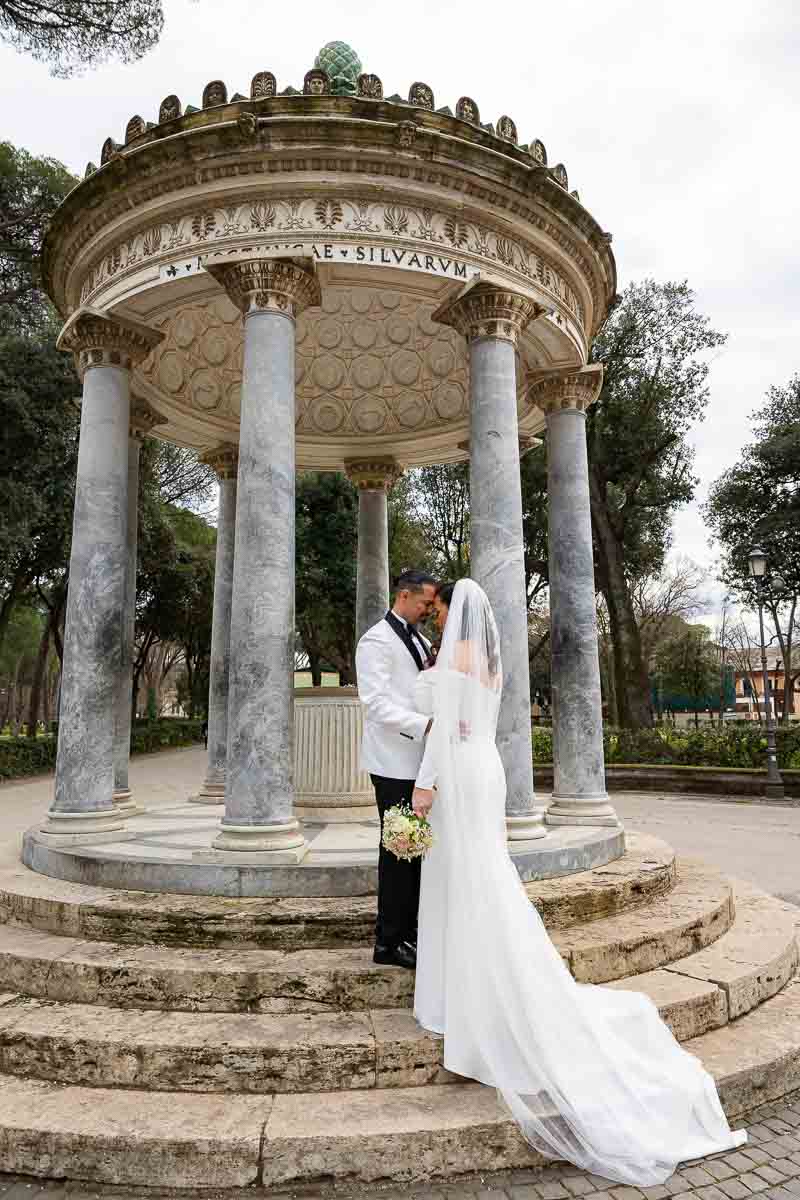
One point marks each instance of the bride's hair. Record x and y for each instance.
(476, 621)
(445, 592)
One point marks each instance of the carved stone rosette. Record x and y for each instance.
(274, 284)
(566, 389)
(373, 475)
(223, 460)
(96, 339)
(144, 419)
(489, 311)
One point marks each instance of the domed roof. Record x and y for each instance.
(343, 67)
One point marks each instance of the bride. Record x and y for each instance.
(590, 1074)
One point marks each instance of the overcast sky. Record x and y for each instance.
(677, 122)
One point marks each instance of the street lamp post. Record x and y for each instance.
(773, 789)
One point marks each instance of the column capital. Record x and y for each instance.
(223, 459)
(488, 310)
(98, 339)
(575, 389)
(271, 284)
(373, 474)
(144, 419)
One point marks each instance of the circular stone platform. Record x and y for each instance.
(169, 850)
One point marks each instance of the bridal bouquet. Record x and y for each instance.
(405, 834)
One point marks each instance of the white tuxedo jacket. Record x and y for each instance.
(394, 732)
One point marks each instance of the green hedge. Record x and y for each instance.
(22, 756)
(733, 746)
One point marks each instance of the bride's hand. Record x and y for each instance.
(422, 801)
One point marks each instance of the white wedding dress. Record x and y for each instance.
(590, 1074)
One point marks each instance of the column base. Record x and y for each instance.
(525, 827)
(272, 843)
(125, 804)
(774, 791)
(582, 810)
(212, 792)
(68, 828)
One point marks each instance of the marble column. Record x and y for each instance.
(105, 348)
(492, 319)
(579, 790)
(143, 420)
(259, 790)
(225, 461)
(373, 478)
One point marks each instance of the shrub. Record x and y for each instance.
(22, 756)
(732, 746)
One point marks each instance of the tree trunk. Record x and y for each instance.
(37, 683)
(12, 701)
(315, 666)
(634, 705)
(16, 588)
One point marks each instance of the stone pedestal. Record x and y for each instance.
(329, 786)
(492, 319)
(259, 794)
(105, 349)
(225, 461)
(373, 478)
(143, 420)
(579, 791)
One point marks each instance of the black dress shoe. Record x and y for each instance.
(403, 955)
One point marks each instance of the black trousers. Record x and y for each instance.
(398, 881)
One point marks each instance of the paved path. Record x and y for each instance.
(757, 842)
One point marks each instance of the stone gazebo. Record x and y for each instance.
(322, 279)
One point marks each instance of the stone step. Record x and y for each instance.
(698, 910)
(96, 1045)
(234, 979)
(402, 1135)
(646, 870)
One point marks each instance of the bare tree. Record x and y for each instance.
(744, 657)
(660, 600)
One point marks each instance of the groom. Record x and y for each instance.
(389, 657)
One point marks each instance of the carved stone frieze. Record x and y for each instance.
(373, 475)
(143, 418)
(215, 93)
(467, 110)
(135, 126)
(96, 339)
(223, 460)
(370, 86)
(565, 389)
(421, 95)
(489, 311)
(170, 109)
(316, 83)
(507, 130)
(337, 216)
(538, 152)
(273, 284)
(247, 125)
(263, 86)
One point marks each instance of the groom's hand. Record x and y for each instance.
(422, 801)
